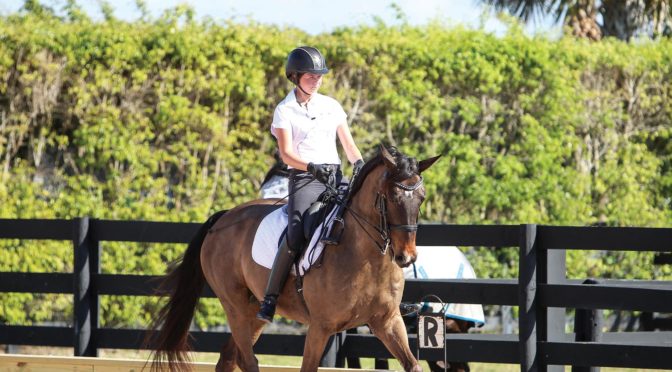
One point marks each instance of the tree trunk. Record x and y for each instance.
(661, 18)
(623, 18)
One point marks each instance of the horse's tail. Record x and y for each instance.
(184, 283)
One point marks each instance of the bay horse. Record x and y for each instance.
(359, 282)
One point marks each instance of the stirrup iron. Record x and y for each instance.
(337, 228)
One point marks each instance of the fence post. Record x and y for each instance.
(86, 266)
(552, 269)
(587, 328)
(353, 363)
(527, 300)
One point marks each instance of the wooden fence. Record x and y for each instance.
(542, 293)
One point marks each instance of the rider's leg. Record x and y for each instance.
(279, 272)
(303, 190)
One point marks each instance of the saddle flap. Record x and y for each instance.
(319, 210)
(313, 217)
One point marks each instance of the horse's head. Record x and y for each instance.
(399, 192)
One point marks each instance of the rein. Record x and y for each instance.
(330, 187)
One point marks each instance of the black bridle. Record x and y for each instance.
(384, 227)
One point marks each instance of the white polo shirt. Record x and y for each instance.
(313, 127)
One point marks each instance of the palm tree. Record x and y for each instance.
(660, 13)
(622, 19)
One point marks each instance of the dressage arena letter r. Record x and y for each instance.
(430, 328)
(430, 332)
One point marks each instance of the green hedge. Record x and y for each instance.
(168, 119)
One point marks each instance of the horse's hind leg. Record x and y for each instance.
(245, 330)
(227, 357)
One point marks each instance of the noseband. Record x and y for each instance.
(384, 226)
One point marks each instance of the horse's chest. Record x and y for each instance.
(378, 291)
(346, 287)
(355, 289)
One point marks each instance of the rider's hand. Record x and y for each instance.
(321, 172)
(357, 166)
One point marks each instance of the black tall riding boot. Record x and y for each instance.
(281, 266)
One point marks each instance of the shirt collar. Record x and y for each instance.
(292, 98)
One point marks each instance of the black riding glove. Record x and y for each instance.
(321, 172)
(357, 166)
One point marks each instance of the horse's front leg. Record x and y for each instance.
(316, 341)
(392, 332)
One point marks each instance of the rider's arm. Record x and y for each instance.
(289, 157)
(348, 143)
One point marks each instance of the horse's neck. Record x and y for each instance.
(364, 220)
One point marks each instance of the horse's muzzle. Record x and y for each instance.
(404, 259)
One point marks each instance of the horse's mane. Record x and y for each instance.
(406, 168)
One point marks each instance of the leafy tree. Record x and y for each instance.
(167, 119)
(622, 19)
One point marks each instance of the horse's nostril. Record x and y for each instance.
(402, 259)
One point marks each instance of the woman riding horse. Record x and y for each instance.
(305, 124)
(360, 280)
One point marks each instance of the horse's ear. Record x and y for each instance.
(390, 163)
(424, 164)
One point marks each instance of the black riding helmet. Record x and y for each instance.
(303, 60)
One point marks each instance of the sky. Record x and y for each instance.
(314, 17)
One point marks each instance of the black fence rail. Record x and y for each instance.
(542, 293)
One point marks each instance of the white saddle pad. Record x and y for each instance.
(446, 262)
(267, 238)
